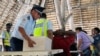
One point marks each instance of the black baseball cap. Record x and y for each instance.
(38, 8)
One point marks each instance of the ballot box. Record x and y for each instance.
(42, 43)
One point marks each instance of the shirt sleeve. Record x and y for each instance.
(3, 35)
(22, 22)
(50, 26)
(79, 36)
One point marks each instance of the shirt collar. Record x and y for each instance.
(31, 18)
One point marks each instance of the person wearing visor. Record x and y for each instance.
(24, 28)
(6, 37)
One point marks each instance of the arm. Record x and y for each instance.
(21, 25)
(50, 34)
(26, 37)
(79, 41)
(50, 31)
(22, 31)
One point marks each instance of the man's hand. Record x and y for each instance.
(31, 43)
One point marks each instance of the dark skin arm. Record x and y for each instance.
(50, 34)
(26, 37)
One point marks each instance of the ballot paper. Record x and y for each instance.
(42, 43)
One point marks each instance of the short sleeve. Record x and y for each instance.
(79, 36)
(3, 35)
(50, 26)
(23, 21)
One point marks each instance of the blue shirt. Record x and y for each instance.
(25, 22)
(96, 40)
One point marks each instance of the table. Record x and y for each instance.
(34, 53)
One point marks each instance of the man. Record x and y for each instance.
(83, 42)
(24, 28)
(43, 27)
(96, 36)
(6, 37)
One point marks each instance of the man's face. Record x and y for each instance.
(35, 14)
(95, 32)
(8, 27)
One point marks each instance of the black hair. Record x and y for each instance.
(97, 29)
(44, 15)
(85, 31)
(79, 28)
(9, 24)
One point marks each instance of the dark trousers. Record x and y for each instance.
(86, 52)
(16, 44)
(7, 48)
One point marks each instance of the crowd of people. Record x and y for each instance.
(80, 40)
(36, 24)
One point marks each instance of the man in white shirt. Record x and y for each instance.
(24, 28)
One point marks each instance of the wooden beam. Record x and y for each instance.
(70, 17)
(43, 3)
(63, 14)
(63, 9)
(58, 12)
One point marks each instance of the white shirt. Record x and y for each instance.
(25, 22)
(3, 35)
